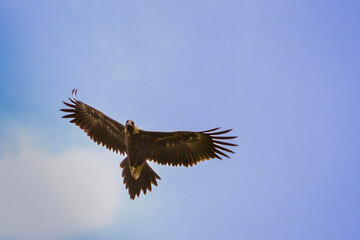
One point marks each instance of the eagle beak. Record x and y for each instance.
(136, 171)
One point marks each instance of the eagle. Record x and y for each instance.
(180, 148)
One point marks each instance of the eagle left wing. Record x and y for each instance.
(99, 127)
(185, 148)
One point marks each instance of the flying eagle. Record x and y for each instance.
(183, 148)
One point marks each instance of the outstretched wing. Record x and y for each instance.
(185, 148)
(99, 127)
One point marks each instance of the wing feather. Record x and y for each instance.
(186, 148)
(99, 127)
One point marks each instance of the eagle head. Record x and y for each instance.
(130, 126)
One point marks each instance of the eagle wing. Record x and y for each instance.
(185, 148)
(99, 127)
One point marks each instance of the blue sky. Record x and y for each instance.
(284, 74)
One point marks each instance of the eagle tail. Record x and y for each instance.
(142, 183)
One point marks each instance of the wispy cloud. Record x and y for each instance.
(47, 195)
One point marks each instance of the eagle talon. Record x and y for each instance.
(136, 171)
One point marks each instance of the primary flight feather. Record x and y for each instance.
(181, 148)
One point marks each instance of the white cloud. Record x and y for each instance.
(45, 195)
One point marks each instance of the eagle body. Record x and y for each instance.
(135, 149)
(180, 148)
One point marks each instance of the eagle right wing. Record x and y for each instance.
(185, 148)
(99, 127)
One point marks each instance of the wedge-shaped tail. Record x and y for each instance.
(144, 181)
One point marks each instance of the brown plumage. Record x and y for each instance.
(183, 148)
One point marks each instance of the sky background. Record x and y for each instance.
(285, 75)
